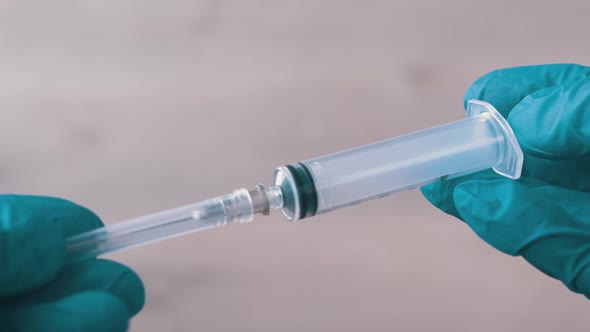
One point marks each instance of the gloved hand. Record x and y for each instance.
(545, 216)
(39, 293)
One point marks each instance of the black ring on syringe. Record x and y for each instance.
(306, 191)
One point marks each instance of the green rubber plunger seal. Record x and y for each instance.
(308, 197)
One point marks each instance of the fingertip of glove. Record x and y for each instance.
(427, 192)
(482, 199)
(534, 113)
(505, 88)
(87, 311)
(552, 123)
(438, 194)
(91, 304)
(493, 209)
(32, 253)
(80, 219)
(465, 196)
(72, 218)
(110, 276)
(129, 288)
(33, 230)
(502, 88)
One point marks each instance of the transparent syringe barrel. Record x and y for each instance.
(214, 212)
(478, 142)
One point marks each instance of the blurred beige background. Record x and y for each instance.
(131, 107)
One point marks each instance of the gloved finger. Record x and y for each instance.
(567, 173)
(92, 311)
(555, 122)
(570, 174)
(504, 88)
(549, 226)
(32, 239)
(94, 275)
(440, 193)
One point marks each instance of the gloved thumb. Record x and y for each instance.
(554, 123)
(32, 239)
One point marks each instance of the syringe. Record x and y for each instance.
(301, 190)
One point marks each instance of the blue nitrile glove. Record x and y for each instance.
(545, 216)
(39, 293)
